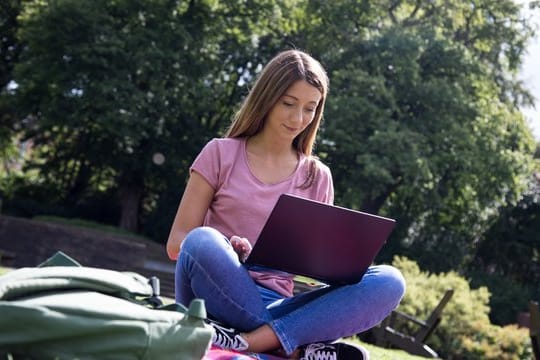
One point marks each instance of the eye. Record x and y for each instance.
(288, 103)
(310, 110)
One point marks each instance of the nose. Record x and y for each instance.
(297, 116)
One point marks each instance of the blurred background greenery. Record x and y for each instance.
(104, 104)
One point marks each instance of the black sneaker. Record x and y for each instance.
(227, 338)
(334, 351)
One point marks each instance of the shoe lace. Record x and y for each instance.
(228, 338)
(316, 352)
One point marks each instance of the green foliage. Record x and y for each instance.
(28, 196)
(423, 121)
(514, 235)
(9, 47)
(105, 85)
(92, 93)
(508, 297)
(9, 52)
(465, 331)
(485, 341)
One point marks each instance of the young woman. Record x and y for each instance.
(234, 184)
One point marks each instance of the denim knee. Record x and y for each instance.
(201, 241)
(393, 282)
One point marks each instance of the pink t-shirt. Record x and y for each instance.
(242, 202)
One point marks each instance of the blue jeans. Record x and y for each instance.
(209, 268)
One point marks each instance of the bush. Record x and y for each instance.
(489, 341)
(27, 198)
(465, 331)
(508, 297)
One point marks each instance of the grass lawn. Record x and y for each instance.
(81, 223)
(378, 353)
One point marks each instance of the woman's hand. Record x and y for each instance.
(241, 246)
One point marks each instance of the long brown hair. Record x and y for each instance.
(277, 76)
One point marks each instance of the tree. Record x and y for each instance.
(108, 84)
(422, 122)
(9, 51)
(9, 47)
(508, 257)
(95, 91)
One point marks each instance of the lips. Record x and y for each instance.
(291, 129)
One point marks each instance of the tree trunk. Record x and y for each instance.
(130, 199)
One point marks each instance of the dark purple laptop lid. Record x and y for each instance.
(328, 243)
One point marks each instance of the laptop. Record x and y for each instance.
(332, 244)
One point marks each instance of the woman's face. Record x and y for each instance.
(293, 111)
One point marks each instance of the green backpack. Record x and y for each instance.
(61, 310)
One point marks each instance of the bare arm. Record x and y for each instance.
(195, 202)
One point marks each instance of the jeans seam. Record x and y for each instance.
(283, 339)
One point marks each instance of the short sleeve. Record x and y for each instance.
(326, 184)
(208, 163)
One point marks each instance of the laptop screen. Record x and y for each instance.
(329, 243)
